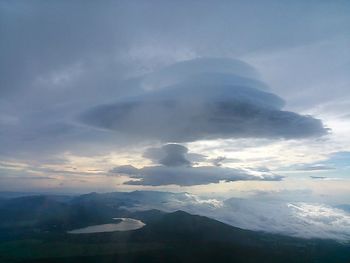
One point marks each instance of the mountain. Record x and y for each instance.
(136, 198)
(166, 237)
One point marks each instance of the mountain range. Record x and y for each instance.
(34, 229)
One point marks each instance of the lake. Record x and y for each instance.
(125, 224)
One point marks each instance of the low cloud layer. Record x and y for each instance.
(269, 213)
(308, 220)
(211, 99)
(175, 169)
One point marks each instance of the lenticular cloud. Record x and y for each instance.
(203, 99)
(175, 169)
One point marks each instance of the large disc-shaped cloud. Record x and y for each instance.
(205, 103)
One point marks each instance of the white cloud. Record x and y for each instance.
(268, 214)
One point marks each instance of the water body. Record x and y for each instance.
(125, 224)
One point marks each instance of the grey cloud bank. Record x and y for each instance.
(188, 176)
(204, 101)
(175, 169)
(62, 57)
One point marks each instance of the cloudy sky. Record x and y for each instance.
(228, 98)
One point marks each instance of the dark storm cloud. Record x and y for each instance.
(175, 169)
(210, 104)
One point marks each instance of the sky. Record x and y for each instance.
(229, 99)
